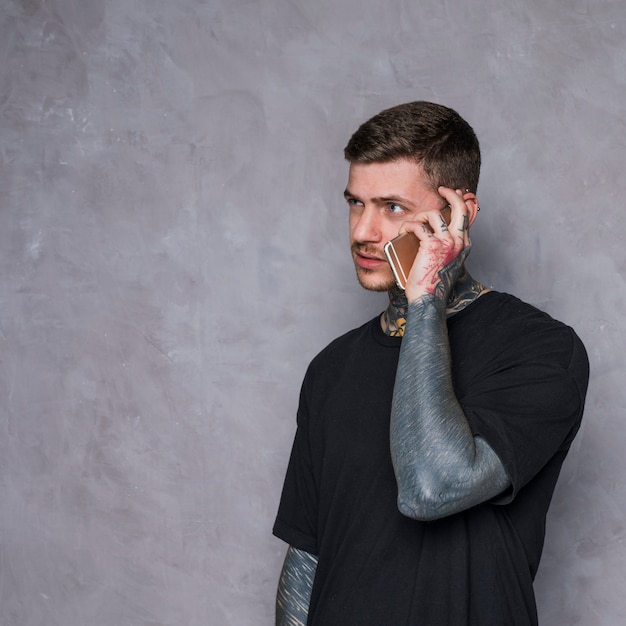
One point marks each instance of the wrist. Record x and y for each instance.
(427, 306)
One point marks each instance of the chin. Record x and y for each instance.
(372, 282)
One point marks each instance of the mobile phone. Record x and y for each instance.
(402, 250)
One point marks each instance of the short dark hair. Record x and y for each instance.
(434, 136)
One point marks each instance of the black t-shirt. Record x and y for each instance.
(521, 378)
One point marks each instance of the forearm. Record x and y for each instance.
(441, 468)
(294, 588)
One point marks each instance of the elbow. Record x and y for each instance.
(427, 496)
(425, 505)
(415, 511)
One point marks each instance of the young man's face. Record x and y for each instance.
(382, 196)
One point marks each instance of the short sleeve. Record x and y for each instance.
(297, 513)
(529, 405)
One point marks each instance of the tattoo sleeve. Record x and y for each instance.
(440, 467)
(294, 588)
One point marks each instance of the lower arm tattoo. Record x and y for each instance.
(294, 588)
(441, 468)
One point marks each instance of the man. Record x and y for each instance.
(430, 439)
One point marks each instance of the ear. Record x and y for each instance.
(471, 201)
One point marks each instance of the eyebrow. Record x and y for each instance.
(347, 194)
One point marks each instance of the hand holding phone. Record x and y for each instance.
(402, 250)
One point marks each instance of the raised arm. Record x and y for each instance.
(294, 588)
(440, 467)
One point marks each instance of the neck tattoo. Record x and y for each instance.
(393, 320)
(464, 292)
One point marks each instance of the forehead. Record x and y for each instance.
(387, 179)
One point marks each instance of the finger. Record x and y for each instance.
(428, 224)
(461, 216)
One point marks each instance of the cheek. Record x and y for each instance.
(389, 231)
(353, 222)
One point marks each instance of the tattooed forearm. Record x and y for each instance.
(294, 588)
(441, 468)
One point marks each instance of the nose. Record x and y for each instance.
(366, 227)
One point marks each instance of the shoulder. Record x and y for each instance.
(355, 355)
(506, 308)
(355, 337)
(506, 311)
(511, 325)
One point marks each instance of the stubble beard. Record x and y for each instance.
(372, 279)
(369, 280)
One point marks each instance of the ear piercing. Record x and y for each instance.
(467, 191)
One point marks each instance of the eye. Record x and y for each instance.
(394, 208)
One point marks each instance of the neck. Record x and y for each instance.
(463, 293)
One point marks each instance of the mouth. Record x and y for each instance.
(368, 261)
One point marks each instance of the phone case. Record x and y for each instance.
(401, 253)
(402, 250)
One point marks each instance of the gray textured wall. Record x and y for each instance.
(173, 251)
